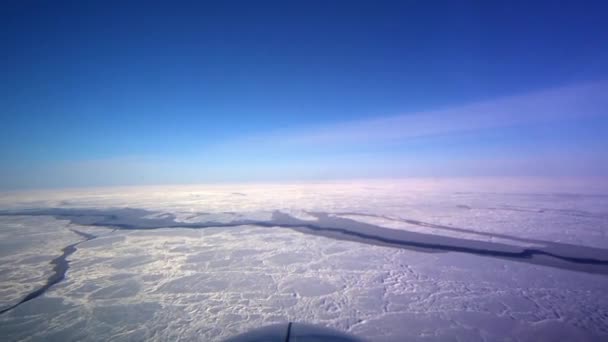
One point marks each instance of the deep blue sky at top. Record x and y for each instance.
(86, 80)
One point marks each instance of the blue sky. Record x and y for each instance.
(110, 93)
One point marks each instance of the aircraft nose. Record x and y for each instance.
(293, 332)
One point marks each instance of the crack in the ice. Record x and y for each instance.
(564, 256)
(60, 268)
(442, 227)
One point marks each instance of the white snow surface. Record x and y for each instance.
(208, 284)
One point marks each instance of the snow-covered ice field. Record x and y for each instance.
(386, 261)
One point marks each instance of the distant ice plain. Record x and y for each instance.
(208, 284)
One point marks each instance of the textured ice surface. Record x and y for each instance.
(211, 283)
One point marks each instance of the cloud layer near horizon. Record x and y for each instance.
(554, 132)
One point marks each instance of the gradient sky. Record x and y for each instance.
(116, 93)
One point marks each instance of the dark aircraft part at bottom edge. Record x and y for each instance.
(293, 332)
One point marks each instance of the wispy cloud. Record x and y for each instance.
(446, 142)
(547, 106)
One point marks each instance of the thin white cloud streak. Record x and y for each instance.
(548, 106)
(293, 154)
